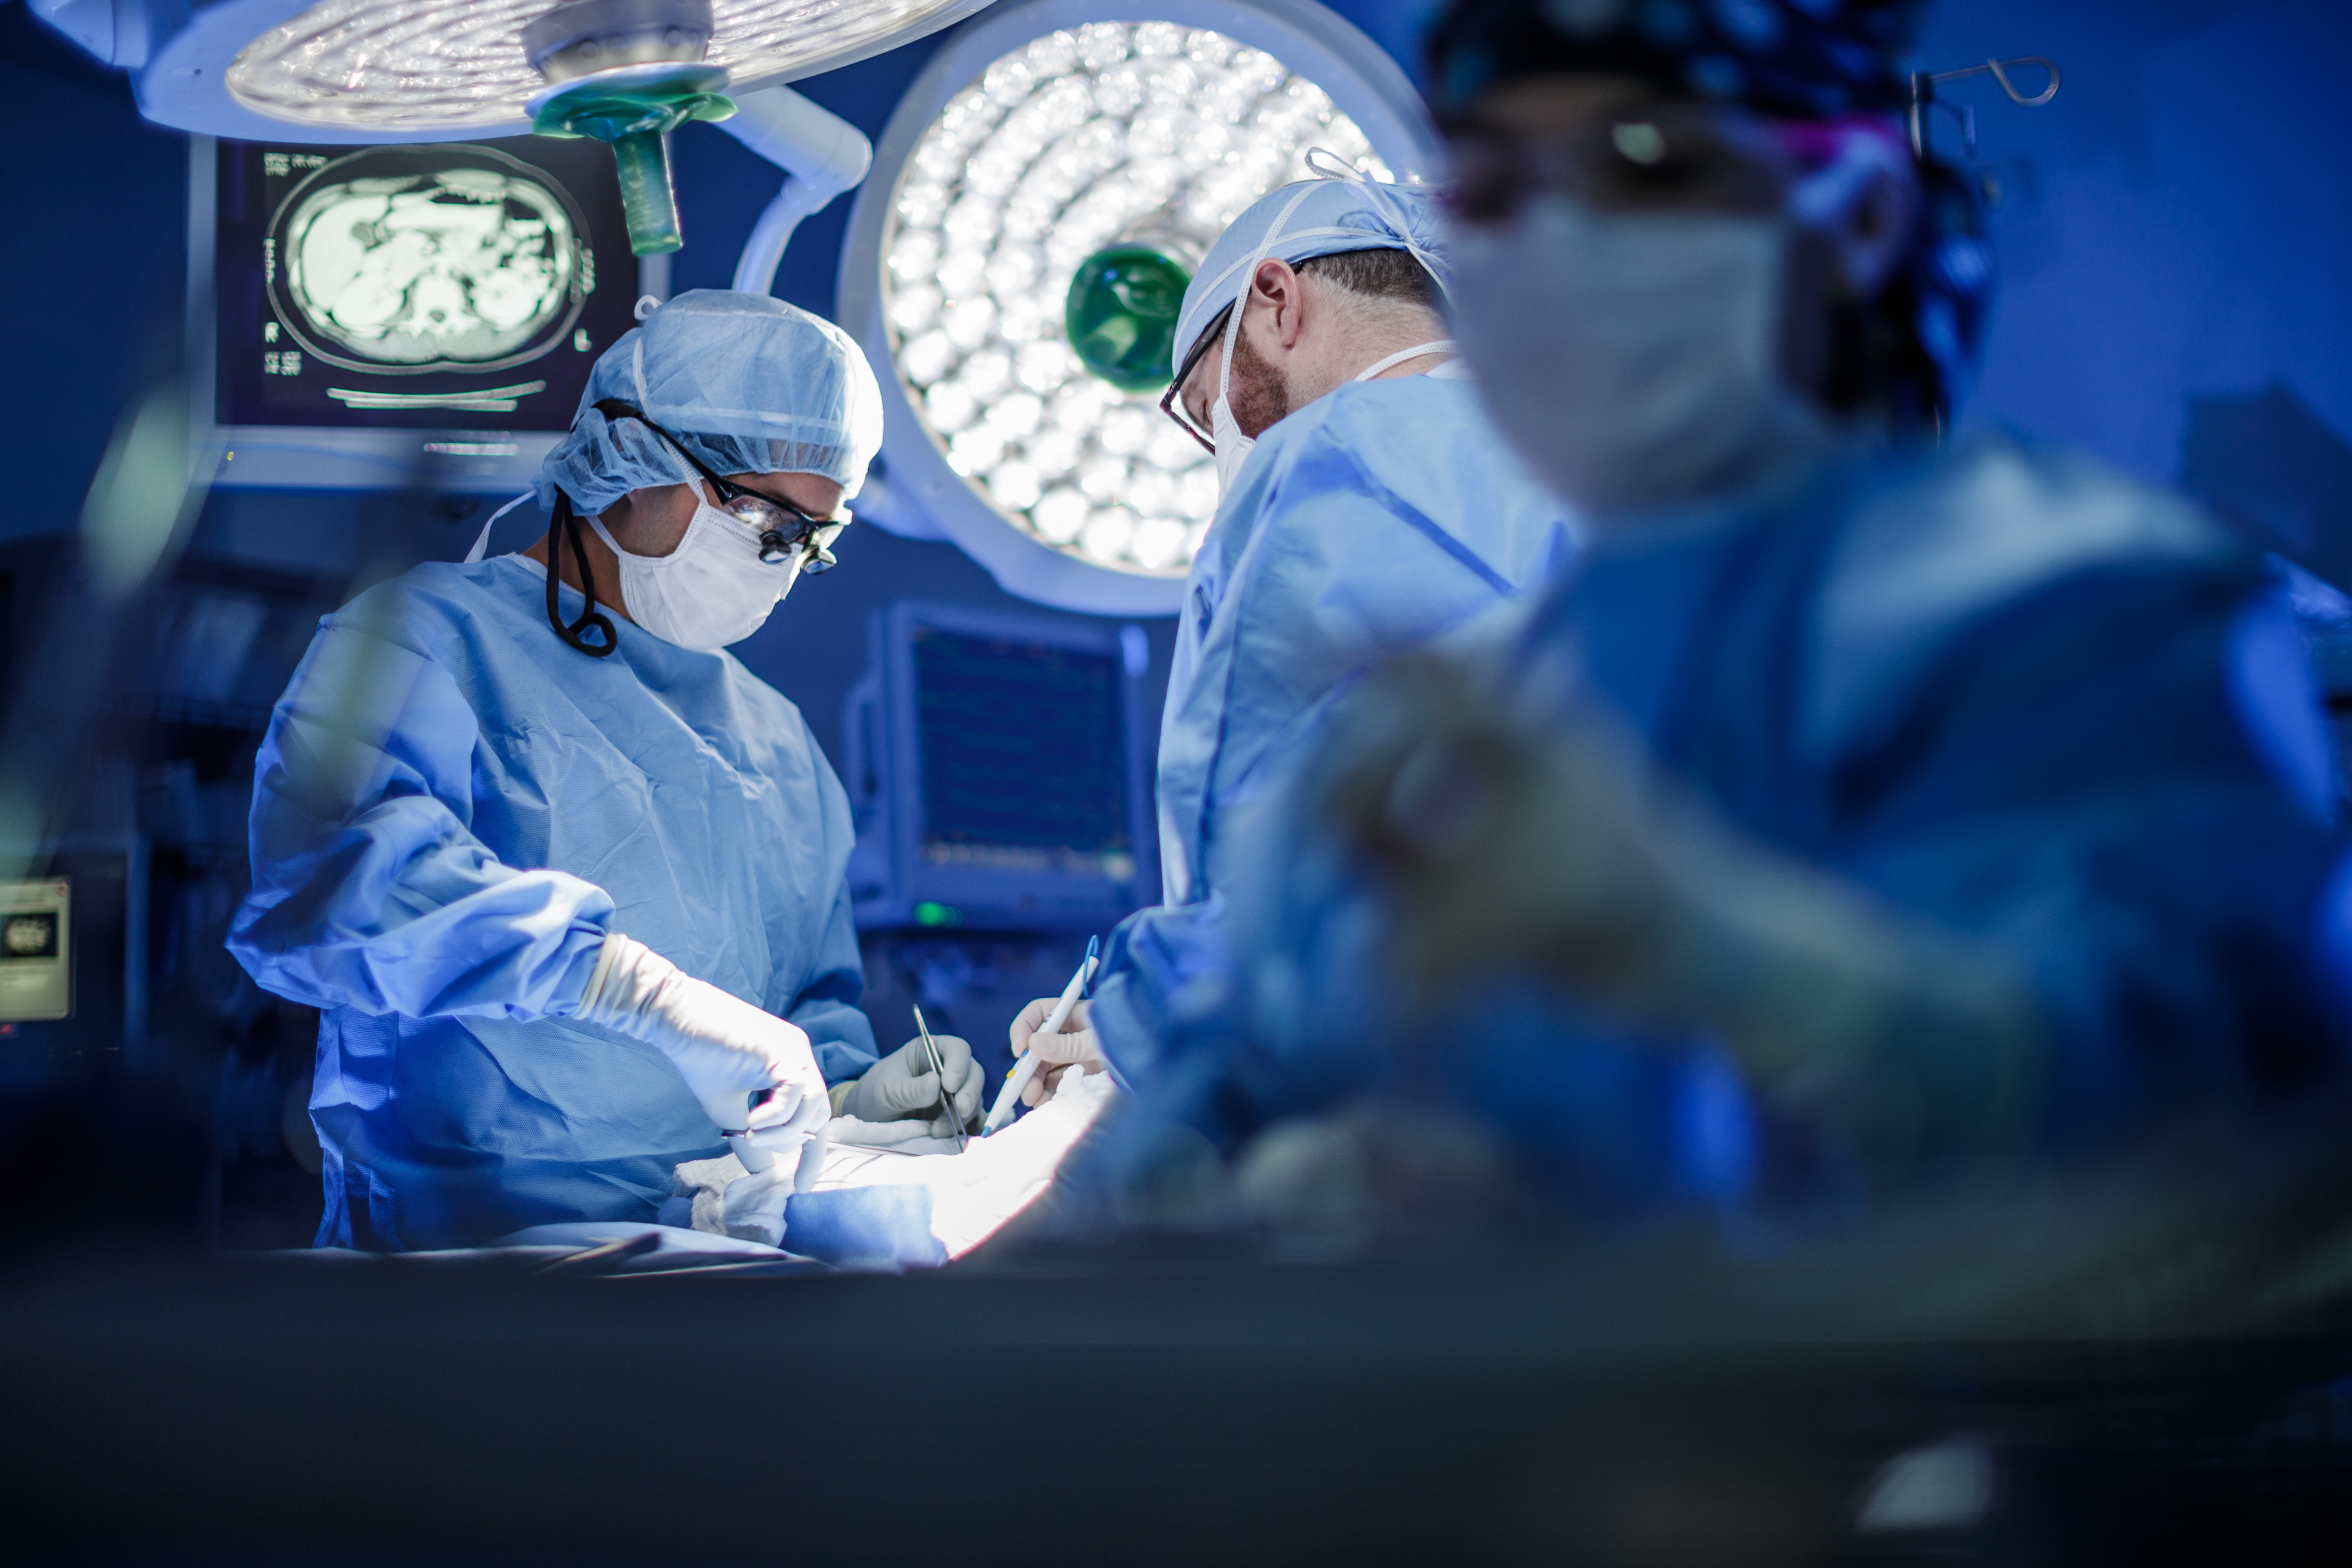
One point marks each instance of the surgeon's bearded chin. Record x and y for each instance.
(1257, 392)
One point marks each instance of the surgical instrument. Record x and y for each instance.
(1026, 1068)
(940, 1070)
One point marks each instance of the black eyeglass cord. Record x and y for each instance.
(565, 525)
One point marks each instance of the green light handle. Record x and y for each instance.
(647, 197)
(636, 118)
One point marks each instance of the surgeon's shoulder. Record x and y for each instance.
(1424, 441)
(1397, 418)
(2001, 515)
(1933, 547)
(428, 608)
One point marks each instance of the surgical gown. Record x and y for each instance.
(2000, 689)
(1373, 519)
(450, 810)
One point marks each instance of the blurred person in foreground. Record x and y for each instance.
(1862, 806)
(1366, 505)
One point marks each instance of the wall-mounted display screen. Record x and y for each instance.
(418, 287)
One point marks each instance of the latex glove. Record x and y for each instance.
(725, 1048)
(902, 1087)
(755, 1205)
(1075, 1046)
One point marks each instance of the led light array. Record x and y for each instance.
(459, 64)
(1081, 137)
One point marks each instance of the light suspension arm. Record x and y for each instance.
(822, 156)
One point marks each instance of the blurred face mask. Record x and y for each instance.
(1633, 358)
(712, 590)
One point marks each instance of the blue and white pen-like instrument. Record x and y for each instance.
(1026, 1068)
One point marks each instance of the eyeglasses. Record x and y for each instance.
(1655, 156)
(784, 529)
(1172, 402)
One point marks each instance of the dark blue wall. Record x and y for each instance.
(2183, 224)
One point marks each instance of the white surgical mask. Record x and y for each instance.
(712, 590)
(1232, 447)
(1633, 359)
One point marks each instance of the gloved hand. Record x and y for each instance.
(1546, 844)
(1075, 1046)
(902, 1087)
(725, 1048)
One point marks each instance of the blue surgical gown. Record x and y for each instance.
(1375, 517)
(2013, 696)
(451, 809)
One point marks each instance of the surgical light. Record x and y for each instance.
(627, 73)
(1086, 168)
(459, 66)
(1039, 203)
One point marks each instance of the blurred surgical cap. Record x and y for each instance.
(1317, 217)
(1802, 60)
(748, 384)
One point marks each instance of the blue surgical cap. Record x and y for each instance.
(1298, 223)
(746, 383)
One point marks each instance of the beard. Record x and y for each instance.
(1256, 391)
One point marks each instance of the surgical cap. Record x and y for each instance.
(746, 383)
(1317, 217)
(1804, 59)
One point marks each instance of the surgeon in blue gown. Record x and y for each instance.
(565, 879)
(1367, 506)
(1862, 805)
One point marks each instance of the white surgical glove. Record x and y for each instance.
(725, 1048)
(1075, 1046)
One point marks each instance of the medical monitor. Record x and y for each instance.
(412, 316)
(997, 770)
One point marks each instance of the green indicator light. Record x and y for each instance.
(928, 913)
(1120, 315)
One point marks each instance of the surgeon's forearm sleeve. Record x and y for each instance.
(368, 888)
(826, 1006)
(1915, 1043)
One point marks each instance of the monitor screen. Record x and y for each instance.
(452, 285)
(1024, 756)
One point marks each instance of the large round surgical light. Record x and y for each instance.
(375, 71)
(458, 65)
(1065, 145)
(1066, 182)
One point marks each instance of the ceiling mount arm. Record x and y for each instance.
(822, 156)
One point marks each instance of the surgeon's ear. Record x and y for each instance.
(1871, 229)
(1282, 288)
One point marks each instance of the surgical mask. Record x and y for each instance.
(1232, 447)
(1633, 359)
(711, 591)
